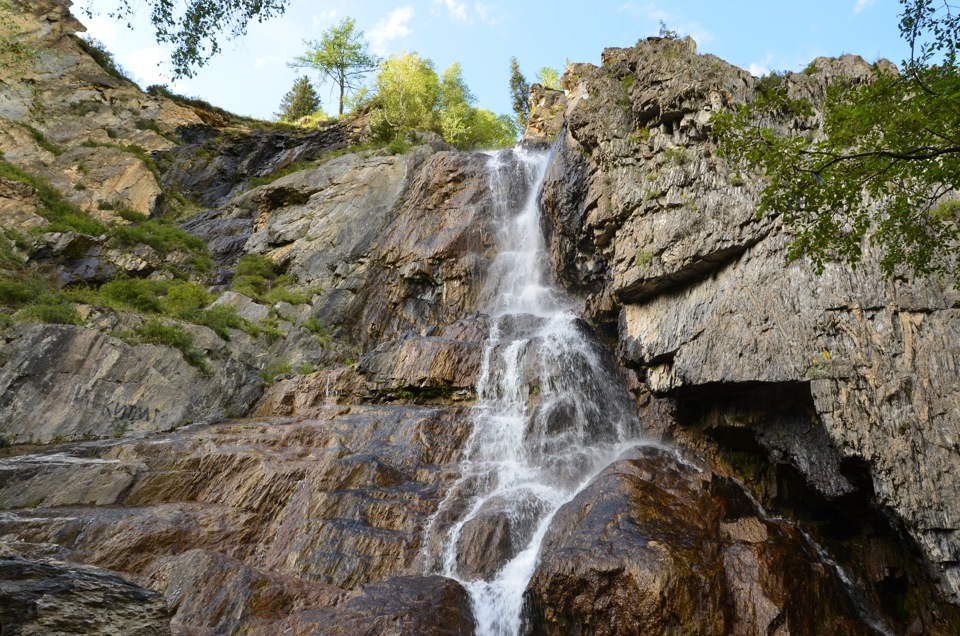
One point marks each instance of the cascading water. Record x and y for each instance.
(550, 413)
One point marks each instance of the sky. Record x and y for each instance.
(251, 75)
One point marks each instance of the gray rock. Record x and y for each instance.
(61, 382)
(50, 597)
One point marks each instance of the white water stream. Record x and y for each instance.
(550, 413)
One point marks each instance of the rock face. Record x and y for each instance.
(65, 382)
(617, 560)
(663, 238)
(252, 523)
(46, 597)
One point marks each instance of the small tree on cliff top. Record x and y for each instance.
(340, 55)
(301, 101)
(519, 93)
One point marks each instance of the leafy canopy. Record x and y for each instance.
(194, 27)
(884, 163)
(410, 96)
(340, 55)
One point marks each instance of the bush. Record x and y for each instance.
(221, 319)
(51, 311)
(134, 294)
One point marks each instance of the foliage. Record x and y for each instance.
(258, 277)
(156, 331)
(63, 216)
(290, 168)
(519, 94)
(42, 140)
(548, 78)
(888, 155)
(408, 94)
(15, 52)
(165, 239)
(98, 51)
(301, 101)
(194, 27)
(340, 55)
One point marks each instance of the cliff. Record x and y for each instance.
(797, 471)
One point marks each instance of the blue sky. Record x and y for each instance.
(251, 75)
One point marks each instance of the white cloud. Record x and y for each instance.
(487, 13)
(457, 10)
(390, 28)
(144, 64)
(103, 29)
(861, 5)
(323, 18)
(758, 69)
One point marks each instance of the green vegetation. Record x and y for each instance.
(15, 52)
(98, 51)
(410, 96)
(63, 216)
(301, 101)
(889, 155)
(156, 331)
(548, 77)
(42, 140)
(341, 56)
(278, 367)
(259, 278)
(193, 27)
(519, 94)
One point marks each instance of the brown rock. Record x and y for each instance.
(656, 546)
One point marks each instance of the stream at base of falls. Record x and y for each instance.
(551, 412)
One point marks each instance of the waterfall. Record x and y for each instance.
(550, 413)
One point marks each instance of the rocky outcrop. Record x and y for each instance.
(61, 382)
(662, 236)
(617, 560)
(256, 524)
(50, 597)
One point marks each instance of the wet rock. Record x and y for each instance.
(245, 524)
(50, 597)
(658, 546)
(404, 605)
(662, 236)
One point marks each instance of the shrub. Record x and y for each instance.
(52, 311)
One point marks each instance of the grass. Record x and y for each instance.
(164, 238)
(278, 367)
(156, 331)
(258, 277)
(42, 140)
(137, 151)
(98, 51)
(63, 216)
(295, 166)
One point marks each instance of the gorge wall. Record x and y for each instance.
(809, 421)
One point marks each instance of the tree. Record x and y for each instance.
(340, 55)
(465, 126)
(883, 168)
(408, 95)
(301, 101)
(194, 26)
(519, 93)
(548, 78)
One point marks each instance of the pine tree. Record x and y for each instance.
(519, 93)
(301, 101)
